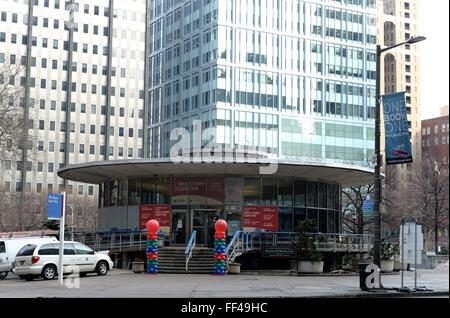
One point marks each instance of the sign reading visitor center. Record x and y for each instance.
(54, 206)
(159, 212)
(398, 143)
(261, 217)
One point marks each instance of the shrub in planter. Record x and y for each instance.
(387, 256)
(310, 259)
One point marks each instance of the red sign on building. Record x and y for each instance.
(160, 213)
(215, 189)
(269, 218)
(252, 217)
(261, 217)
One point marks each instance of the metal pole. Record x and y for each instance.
(403, 247)
(415, 255)
(377, 190)
(61, 239)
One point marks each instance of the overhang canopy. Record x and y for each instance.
(102, 171)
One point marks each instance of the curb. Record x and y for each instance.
(386, 295)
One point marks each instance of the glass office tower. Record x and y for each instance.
(292, 78)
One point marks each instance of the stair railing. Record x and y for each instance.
(237, 246)
(189, 248)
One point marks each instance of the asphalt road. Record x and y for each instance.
(120, 283)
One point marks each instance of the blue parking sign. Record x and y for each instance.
(54, 206)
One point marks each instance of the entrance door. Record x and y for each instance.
(200, 221)
(179, 226)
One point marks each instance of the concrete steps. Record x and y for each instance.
(173, 260)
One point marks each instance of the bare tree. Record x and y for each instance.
(13, 125)
(84, 211)
(21, 211)
(353, 214)
(394, 202)
(431, 199)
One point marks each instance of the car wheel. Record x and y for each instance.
(28, 277)
(49, 272)
(3, 275)
(102, 268)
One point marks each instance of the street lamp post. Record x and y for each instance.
(377, 190)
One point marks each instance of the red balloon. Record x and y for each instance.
(152, 226)
(221, 226)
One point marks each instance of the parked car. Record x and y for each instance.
(35, 260)
(10, 246)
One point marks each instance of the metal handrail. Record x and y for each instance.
(238, 245)
(243, 240)
(189, 248)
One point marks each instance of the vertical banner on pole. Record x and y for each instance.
(398, 142)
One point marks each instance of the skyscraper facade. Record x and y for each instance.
(82, 76)
(398, 22)
(294, 79)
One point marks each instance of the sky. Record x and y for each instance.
(434, 25)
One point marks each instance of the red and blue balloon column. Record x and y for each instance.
(219, 247)
(152, 246)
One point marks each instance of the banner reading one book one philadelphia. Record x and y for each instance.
(398, 143)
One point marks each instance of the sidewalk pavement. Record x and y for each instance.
(126, 284)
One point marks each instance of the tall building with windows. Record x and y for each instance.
(83, 86)
(292, 78)
(398, 22)
(288, 80)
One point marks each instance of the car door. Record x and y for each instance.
(86, 257)
(70, 258)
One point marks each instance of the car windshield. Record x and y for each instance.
(27, 250)
(2, 247)
(82, 249)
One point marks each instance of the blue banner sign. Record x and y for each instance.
(54, 206)
(367, 207)
(398, 143)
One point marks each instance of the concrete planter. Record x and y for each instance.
(137, 267)
(310, 267)
(235, 268)
(398, 266)
(387, 266)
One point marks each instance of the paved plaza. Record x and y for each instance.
(121, 283)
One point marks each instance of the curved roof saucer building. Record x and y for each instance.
(279, 97)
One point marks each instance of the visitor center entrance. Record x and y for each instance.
(184, 222)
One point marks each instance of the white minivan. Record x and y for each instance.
(9, 247)
(41, 259)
